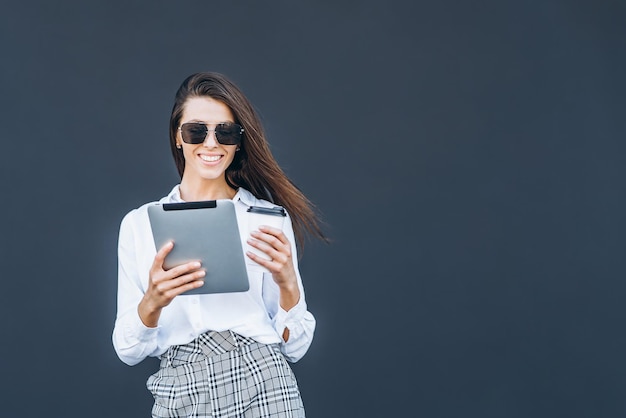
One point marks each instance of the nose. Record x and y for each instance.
(210, 141)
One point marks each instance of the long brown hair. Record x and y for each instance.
(254, 167)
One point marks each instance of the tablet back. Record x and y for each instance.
(205, 231)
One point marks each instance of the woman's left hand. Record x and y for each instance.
(274, 243)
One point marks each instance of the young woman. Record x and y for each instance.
(222, 355)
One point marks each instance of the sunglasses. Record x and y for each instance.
(225, 133)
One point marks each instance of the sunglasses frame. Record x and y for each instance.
(214, 130)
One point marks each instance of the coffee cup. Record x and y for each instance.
(258, 216)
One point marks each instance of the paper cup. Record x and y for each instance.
(257, 216)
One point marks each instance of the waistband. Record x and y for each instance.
(209, 344)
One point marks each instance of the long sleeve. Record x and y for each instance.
(133, 341)
(298, 320)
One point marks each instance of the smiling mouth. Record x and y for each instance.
(210, 158)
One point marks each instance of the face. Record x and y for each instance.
(206, 161)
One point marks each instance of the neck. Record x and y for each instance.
(192, 191)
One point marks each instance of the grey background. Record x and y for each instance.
(467, 157)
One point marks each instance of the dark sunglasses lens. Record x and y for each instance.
(228, 133)
(193, 133)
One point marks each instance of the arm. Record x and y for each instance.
(133, 341)
(284, 295)
(165, 285)
(136, 326)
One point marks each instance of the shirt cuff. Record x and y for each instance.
(289, 319)
(136, 329)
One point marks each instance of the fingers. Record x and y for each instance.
(272, 265)
(164, 285)
(275, 244)
(161, 254)
(183, 269)
(275, 232)
(158, 272)
(177, 275)
(273, 239)
(272, 253)
(280, 264)
(179, 284)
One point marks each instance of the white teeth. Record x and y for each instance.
(210, 158)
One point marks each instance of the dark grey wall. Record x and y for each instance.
(468, 158)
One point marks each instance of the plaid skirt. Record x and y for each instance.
(222, 374)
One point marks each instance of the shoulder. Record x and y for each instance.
(137, 213)
(139, 216)
(140, 213)
(135, 223)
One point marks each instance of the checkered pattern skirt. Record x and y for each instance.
(222, 374)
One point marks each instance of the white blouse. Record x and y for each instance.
(256, 313)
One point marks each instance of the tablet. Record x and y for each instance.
(206, 231)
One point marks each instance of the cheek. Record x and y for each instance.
(232, 153)
(187, 153)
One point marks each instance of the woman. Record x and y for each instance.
(222, 355)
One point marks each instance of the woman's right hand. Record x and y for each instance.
(165, 285)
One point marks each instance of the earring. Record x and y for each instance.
(238, 148)
(178, 145)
